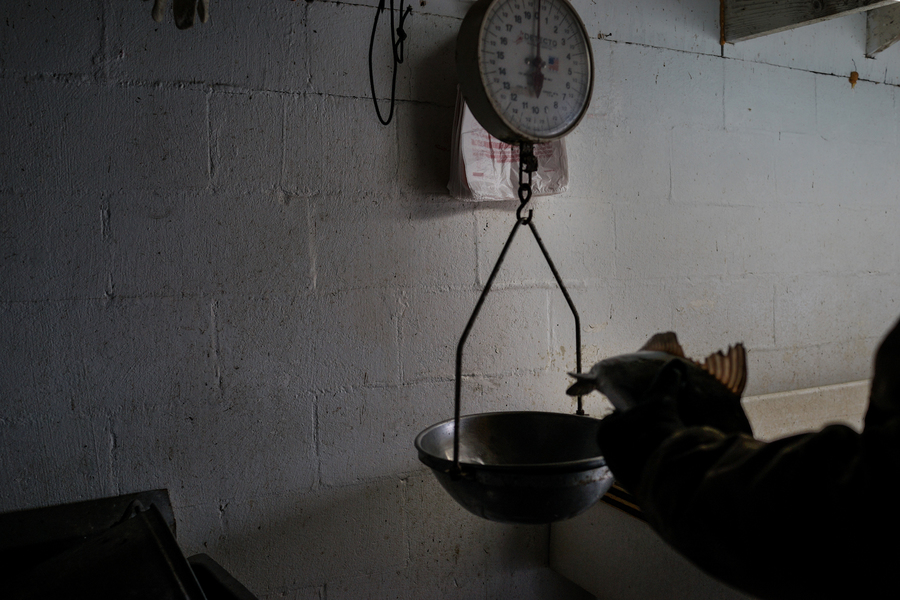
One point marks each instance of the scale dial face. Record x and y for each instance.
(526, 68)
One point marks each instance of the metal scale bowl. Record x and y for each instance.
(518, 467)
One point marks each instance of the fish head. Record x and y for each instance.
(624, 379)
(709, 391)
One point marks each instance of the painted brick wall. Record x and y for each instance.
(219, 273)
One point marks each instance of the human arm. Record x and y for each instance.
(811, 515)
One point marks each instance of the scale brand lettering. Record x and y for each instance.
(534, 40)
(486, 146)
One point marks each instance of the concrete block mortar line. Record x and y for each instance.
(214, 346)
(774, 326)
(317, 445)
(403, 301)
(547, 283)
(811, 71)
(310, 49)
(734, 58)
(397, 144)
(467, 377)
(724, 89)
(567, 322)
(112, 480)
(40, 77)
(665, 48)
(404, 502)
(552, 340)
(106, 240)
(418, 9)
(312, 245)
(282, 170)
(104, 219)
(221, 505)
(291, 593)
(669, 151)
(816, 105)
(103, 52)
(210, 151)
(209, 86)
(234, 89)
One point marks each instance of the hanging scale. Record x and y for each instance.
(526, 71)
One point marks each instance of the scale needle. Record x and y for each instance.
(537, 77)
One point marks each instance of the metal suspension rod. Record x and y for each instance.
(527, 165)
(462, 342)
(571, 304)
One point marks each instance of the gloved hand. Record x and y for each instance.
(628, 437)
(184, 11)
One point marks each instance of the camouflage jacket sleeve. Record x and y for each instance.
(808, 516)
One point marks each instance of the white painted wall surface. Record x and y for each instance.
(219, 273)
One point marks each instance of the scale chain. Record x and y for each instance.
(527, 165)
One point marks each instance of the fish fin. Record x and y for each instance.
(584, 385)
(665, 342)
(730, 369)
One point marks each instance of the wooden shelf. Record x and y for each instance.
(748, 19)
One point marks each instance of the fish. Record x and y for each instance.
(710, 392)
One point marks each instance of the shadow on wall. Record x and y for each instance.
(297, 540)
(404, 531)
(426, 168)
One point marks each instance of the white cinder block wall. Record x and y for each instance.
(219, 274)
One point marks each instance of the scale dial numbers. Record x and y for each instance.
(536, 66)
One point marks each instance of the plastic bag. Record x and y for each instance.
(484, 168)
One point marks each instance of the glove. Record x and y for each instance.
(628, 438)
(184, 11)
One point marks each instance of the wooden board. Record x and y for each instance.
(882, 29)
(748, 19)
